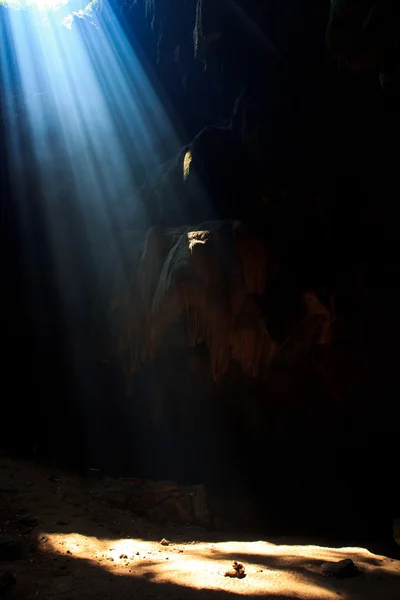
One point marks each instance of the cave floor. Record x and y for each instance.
(63, 540)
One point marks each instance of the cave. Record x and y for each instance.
(199, 253)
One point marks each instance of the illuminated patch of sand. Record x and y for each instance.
(271, 569)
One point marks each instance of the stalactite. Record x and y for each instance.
(206, 26)
(150, 10)
(250, 246)
(215, 276)
(251, 341)
(203, 276)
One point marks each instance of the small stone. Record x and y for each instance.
(165, 542)
(343, 568)
(237, 570)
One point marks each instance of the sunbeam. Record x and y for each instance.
(89, 100)
(84, 127)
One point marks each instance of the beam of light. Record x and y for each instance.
(84, 126)
(89, 103)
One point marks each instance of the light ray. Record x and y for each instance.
(90, 110)
(84, 125)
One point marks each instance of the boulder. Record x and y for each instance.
(343, 568)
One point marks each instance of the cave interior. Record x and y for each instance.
(200, 273)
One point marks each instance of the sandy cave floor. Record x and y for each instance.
(75, 545)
